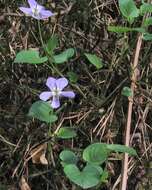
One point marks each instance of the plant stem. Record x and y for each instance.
(49, 58)
(129, 118)
(40, 34)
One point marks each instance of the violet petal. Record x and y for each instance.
(45, 96)
(68, 94)
(61, 83)
(25, 10)
(55, 102)
(36, 17)
(51, 83)
(40, 8)
(45, 14)
(32, 3)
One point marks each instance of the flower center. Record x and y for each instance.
(35, 11)
(56, 92)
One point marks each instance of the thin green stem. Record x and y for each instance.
(49, 58)
(40, 34)
(53, 68)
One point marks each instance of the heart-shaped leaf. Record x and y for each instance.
(43, 111)
(93, 59)
(64, 56)
(68, 157)
(66, 133)
(128, 9)
(121, 148)
(29, 56)
(96, 153)
(89, 177)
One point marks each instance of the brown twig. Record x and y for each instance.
(129, 118)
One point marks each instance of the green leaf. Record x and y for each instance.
(128, 9)
(126, 91)
(142, 30)
(104, 176)
(93, 59)
(147, 37)
(29, 56)
(121, 29)
(64, 56)
(66, 133)
(3, 187)
(52, 44)
(121, 148)
(148, 21)
(89, 177)
(96, 153)
(73, 77)
(43, 111)
(68, 157)
(145, 8)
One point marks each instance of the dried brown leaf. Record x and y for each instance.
(38, 155)
(23, 184)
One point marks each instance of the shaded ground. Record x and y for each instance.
(98, 112)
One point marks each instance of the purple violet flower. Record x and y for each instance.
(36, 11)
(56, 87)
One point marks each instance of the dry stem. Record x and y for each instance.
(129, 118)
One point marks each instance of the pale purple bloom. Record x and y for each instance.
(36, 11)
(56, 87)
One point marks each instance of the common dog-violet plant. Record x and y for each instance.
(36, 11)
(94, 155)
(56, 87)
